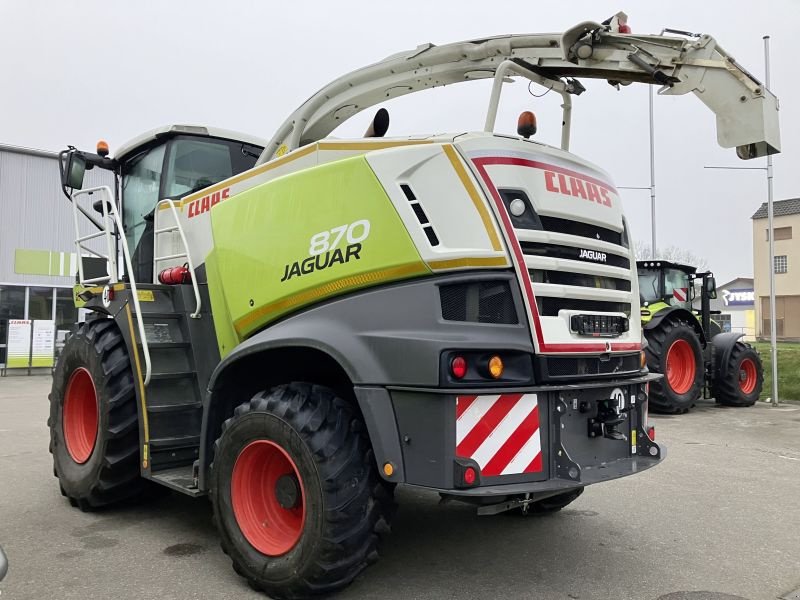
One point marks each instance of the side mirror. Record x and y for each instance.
(711, 287)
(74, 169)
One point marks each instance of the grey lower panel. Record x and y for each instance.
(575, 450)
(389, 335)
(621, 468)
(376, 406)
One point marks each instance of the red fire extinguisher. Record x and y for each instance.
(175, 275)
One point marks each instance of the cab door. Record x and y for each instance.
(173, 168)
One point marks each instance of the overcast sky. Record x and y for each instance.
(74, 72)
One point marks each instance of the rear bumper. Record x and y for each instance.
(534, 440)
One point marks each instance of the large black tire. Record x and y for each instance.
(550, 505)
(745, 378)
(94, 373)
(333, 506)
(674, 341)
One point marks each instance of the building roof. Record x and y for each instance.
(780, 208)
(30, 151)
(746, 280)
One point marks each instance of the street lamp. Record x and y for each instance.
(771, 238)
(652, 186)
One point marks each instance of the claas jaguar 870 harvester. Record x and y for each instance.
(294, 326)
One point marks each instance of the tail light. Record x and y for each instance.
(485, 368)
(458, 367)
(651, 433)
(467, 473)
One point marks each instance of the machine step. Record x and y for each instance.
(183, 441)
(164, 345)
(180, 479)
(174, 407)
(173, 375)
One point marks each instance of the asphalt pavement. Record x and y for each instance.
(720, 518)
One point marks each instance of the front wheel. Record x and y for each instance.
(94, 424)
(744, 380)
(674, 350)
(296, 492)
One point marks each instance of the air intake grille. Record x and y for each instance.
(576, 367)
(419, 212)
(582, 229)
(478, 302)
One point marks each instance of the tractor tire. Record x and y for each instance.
(296, 492)
(94, 423)
(674, 350)
(550, 505)
(745, 378)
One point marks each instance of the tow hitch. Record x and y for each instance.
(609, 417)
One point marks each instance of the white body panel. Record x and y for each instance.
(463, 224)
(561, 186)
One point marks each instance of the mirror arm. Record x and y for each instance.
(95, 160)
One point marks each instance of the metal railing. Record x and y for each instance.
(185, 254)
(108, 229)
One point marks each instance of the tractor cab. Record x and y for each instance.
(170, 162)
(666, 282)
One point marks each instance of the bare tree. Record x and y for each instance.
(671, 253)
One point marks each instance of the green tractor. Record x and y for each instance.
(689, 348)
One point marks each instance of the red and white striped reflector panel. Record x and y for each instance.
(500, 433)
(680, 294)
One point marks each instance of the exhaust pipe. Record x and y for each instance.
(379, 125)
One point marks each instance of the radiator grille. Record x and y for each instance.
(478, 302)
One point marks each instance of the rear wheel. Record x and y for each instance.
(744, 380)
(94, 433)
(296, 492)
(674, 350)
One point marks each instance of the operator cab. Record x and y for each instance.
(172, 163)
(665, 281)
(168, 162)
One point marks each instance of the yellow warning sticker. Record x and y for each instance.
(633, 441)
(282, 150)
(145, 295)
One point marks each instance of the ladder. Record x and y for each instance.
(102, 200)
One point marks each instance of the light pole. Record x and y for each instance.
(773, 344)
(652, 186)
(652, 172)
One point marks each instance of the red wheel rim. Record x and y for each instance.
(681, 368)
(81, 416)
(748, 375)
(267, 517)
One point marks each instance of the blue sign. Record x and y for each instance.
(741, 297)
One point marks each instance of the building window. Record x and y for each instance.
(781, 233)
(12, 302)
(723, 320)
(781, 265)
(40, 303)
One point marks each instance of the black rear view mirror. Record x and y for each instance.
(711, 287)
(73, 170)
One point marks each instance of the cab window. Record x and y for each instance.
(675, 279)
(194, 164)
(648, 285)
(141, 181)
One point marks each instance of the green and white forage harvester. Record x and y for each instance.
(295, 326)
